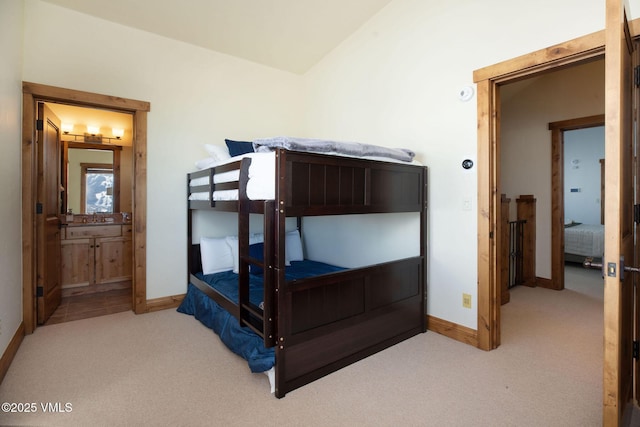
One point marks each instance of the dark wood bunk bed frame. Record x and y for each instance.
(321, 324)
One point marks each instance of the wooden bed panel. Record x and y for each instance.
(317, 178)
(318, 185)
(343, 317)
(314, 358)
(328, 303)
(351, 183)
(332, 179)
(396, 283)
(386, 183)
(321, 304)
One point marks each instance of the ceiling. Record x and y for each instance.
(290, 35)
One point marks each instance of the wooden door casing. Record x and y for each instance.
(34, 93)
(488, 80)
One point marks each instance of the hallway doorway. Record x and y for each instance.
(33, 94)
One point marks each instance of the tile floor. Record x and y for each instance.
(78, 307)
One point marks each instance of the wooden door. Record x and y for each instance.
(48, 252)
(619, 228)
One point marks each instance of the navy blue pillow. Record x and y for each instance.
(237, 148)
(256, 251)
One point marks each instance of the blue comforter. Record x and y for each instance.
(242, 340)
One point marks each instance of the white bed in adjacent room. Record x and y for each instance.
(583, 240)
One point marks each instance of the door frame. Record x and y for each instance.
(488, 81)
(557, 190)
(32, 93)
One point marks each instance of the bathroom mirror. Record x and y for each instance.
(91, 178)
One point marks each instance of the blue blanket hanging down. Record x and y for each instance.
(242, 340)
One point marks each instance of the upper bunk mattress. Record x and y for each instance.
(337, 148)
(262, 170)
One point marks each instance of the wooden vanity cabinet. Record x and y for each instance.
(114, 258)
(77, 257)
(96, 254)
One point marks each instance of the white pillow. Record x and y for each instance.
(293, 246)
(216, 255)
(232, 243)
(218, 152)
(209, 162)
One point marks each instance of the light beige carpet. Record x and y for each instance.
(166, 369)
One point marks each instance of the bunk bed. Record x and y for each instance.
(305, 326)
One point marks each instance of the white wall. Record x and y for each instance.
(197, 97)
(10, 176)
(583, 149)
(395, 82)
(358, 240)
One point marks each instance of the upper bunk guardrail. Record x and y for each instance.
(201, 196)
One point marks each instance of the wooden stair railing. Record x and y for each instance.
(527, 212)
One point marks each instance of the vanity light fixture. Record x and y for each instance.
(92, 135)
(117, 132)
(67, 127)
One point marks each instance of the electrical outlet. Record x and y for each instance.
(466, 300)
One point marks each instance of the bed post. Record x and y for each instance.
(424, 241)
(243, 244)
(270, 270)
(189, 233)
(284, 309)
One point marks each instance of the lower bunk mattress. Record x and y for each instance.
(242, 340)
